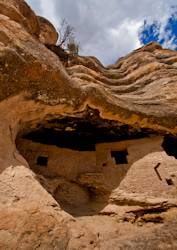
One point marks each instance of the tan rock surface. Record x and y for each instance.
(48, 33)
(140, 180)
(134, 97)
(138, 90)
(130, 235)
(31, 219)
(19, 11)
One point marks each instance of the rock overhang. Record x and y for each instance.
(133, 91)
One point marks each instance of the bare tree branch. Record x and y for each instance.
(66, 32)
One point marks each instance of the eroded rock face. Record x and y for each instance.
(141, 82)
(138, 90)
(28, 217)
(48, 33)
(159, 169)
(20, 12)
(132, 99)
(31, 218)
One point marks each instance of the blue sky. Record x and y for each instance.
(164, 33)
(111, 29)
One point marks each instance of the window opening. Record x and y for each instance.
(42, 160)
(120, 156)
(169, 182)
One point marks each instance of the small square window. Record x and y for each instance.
(42, 160)
(169, 182)
(120, 156)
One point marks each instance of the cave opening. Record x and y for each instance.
(169, 144)
(63, 152)
(82, 133)
(74, 140)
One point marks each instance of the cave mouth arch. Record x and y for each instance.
(75, 173)
(82, 133)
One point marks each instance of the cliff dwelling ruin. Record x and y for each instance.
(81, 160)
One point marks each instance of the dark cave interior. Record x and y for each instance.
(82, 133)
(86, 129)
(170, 145)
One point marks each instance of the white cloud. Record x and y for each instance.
(106, 29)
(48, 10)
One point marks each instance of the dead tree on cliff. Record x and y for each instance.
(66, 48)
(66, 31)
(73, 47)
(67, 38)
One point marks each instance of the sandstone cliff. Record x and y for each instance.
(132, 99)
